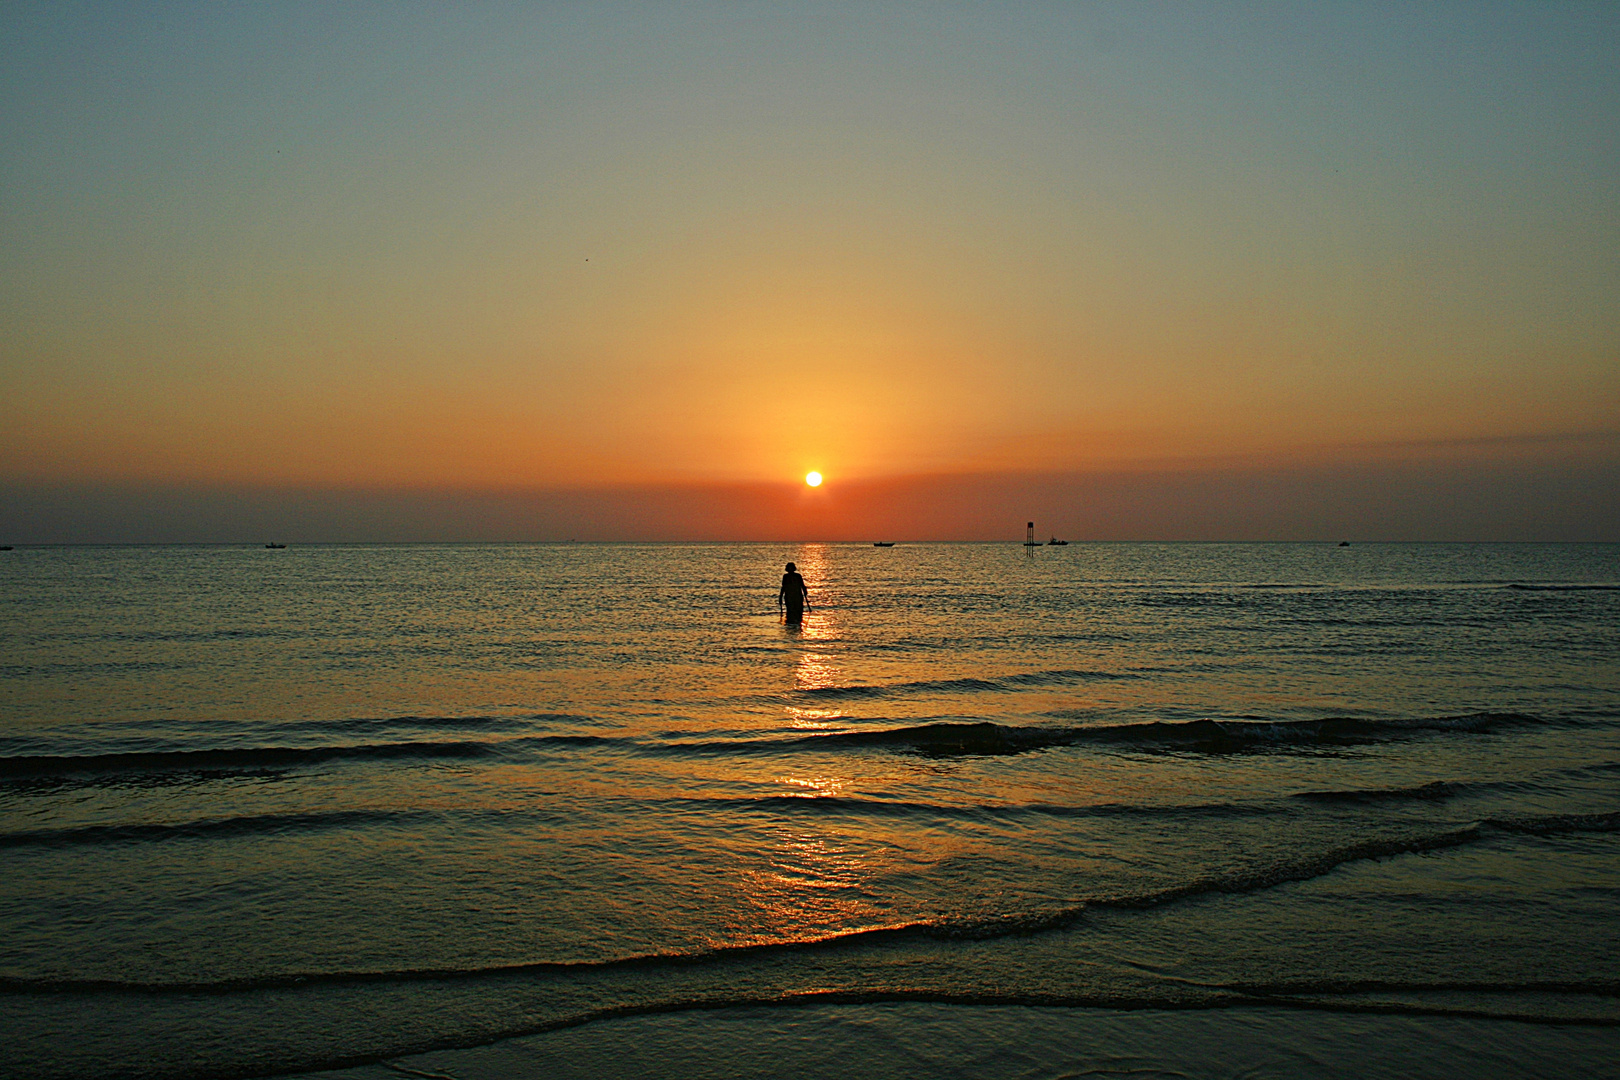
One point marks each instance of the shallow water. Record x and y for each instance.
(268, 810)
(904, 1040)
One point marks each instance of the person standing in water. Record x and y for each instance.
(794, 597)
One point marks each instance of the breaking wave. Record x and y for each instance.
(1241, 880)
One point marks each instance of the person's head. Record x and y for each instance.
(792, 568)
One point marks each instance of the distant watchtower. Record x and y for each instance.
(1029, 537)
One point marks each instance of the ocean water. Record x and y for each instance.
(269, 811)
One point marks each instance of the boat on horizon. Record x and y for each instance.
(1055, 542)
(883, 543)
(275, 545)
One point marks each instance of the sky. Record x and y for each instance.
(525, 271)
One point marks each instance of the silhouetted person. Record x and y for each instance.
(794, 596)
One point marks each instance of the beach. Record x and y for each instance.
(557, 810)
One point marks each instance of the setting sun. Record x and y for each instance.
(813, 479)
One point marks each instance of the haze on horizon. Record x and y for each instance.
(1128, 260)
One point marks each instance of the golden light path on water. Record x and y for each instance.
(815, 870)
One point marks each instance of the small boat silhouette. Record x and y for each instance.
(1055, 542)
(275, 545)
(883, 543)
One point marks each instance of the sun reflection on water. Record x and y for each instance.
(814, 719)
(816, 668)
(811, 882)
(819, 786)
(815, 671)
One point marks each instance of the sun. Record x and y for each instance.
(813, 479)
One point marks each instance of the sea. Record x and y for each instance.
(1191, 809)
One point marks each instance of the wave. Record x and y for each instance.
(245, 825)
(451, 723)
(845, 805)
(841, 693)
(1439, 790)
(1013, 924)
(808, 805)
(1564, 588)
(1435, 791)
(1593, 987)
(262, 758)
(1004, 684)
(1208, 736)
(940, 739)
(1291, 585)
(144, 737)
(817, 805)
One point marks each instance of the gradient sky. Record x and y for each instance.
(494, 247)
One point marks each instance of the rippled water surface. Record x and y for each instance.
(266, 810)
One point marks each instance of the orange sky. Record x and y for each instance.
(509, 249)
